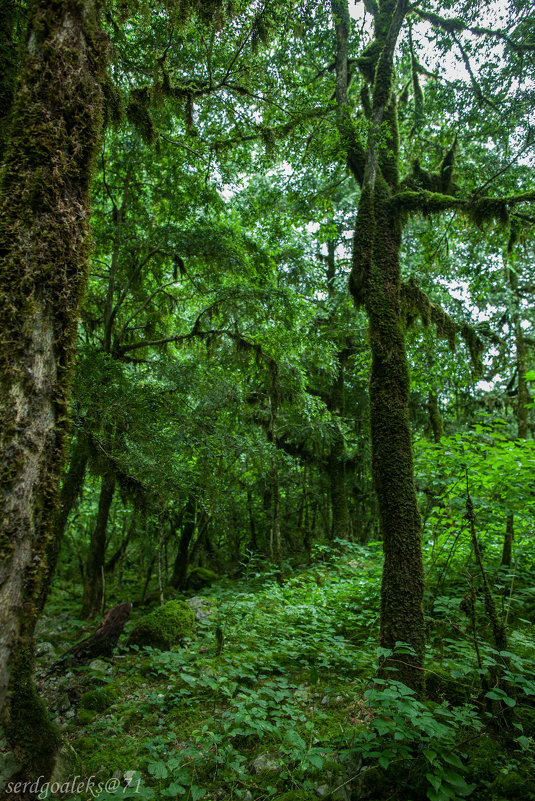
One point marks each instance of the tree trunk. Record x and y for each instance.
(49, 154)
(93, 602)
(507, 549)
(70, 491)
(180, 568)
(435, 416)
(337, 468)
(402, 588)
(337, 478)
(375, 282)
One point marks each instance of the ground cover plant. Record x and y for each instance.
(277, 696)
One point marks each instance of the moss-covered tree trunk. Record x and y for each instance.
(403, 576)
(375, 282)
(50, 147)
(93, 600)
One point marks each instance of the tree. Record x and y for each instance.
(53, 134)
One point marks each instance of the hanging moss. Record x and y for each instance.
(113, 103)
(416, 304)
(474, 345)
(485, 210)
(138, 113)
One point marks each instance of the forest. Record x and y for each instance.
(267, 337)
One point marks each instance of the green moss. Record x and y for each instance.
(297, 795)
(485, 210)
(85, 716)
(167, 626)
(131, 717)
(185, 719)
(34, 738)
(85, 745)
(199, 577)
(100, 699)
(101, 760)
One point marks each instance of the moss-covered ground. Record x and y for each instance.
(275, 697)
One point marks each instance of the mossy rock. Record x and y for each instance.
(100, 699)
(199, 577)
(297, 795)
(164, 627)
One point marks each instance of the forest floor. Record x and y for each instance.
(275, 698)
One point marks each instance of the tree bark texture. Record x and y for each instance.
(49, 153)
(375, 282)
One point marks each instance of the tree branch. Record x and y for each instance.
(348, 136)
(457, 25)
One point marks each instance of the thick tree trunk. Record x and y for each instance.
(49, 153)
(93, 602)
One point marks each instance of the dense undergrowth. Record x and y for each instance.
(275, 696)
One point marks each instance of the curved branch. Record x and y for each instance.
(457, 25)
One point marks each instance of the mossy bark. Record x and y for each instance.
(50, 147)
(9, 12)
(375, 282)
(93, 601)
(402, 618)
